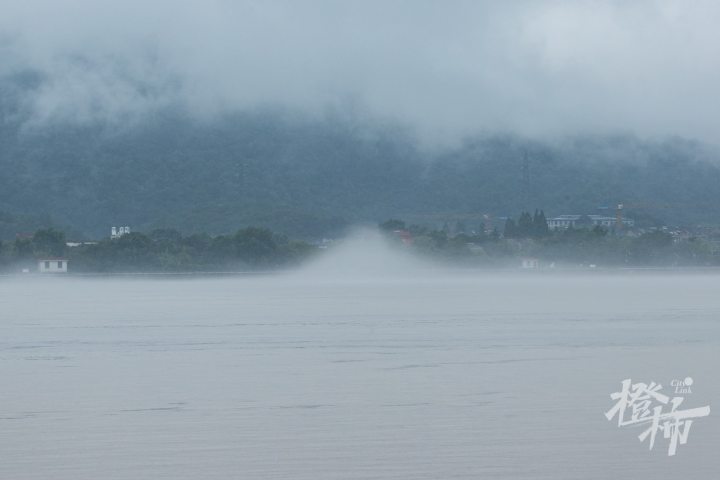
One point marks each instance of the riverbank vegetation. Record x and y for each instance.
(572, 247)
(159, 251)
(256, 249)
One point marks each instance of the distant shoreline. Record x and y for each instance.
(429, 271)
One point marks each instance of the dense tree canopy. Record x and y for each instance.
(163, 250)
(572, 248)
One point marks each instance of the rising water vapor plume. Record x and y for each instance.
(366, 253)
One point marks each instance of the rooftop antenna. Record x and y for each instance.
(525, 180)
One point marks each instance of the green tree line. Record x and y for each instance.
(569, 247)
(163, 250)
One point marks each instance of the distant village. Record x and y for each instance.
(564, 241)
(531, 242)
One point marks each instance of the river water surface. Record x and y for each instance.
(307, 376)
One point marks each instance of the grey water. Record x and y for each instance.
(421, 375)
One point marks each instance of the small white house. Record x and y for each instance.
(52, 265)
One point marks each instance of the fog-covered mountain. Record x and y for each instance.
(312, 176)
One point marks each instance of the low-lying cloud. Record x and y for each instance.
(448, 68)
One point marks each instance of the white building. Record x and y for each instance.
(117, 232)
(576, 221)
(79, 244)
(52, 265)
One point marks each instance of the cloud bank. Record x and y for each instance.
(447, 68)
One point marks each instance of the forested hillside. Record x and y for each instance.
(310, 177)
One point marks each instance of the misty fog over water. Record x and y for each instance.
(397, 373)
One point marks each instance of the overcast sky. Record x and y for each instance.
(453, 67)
